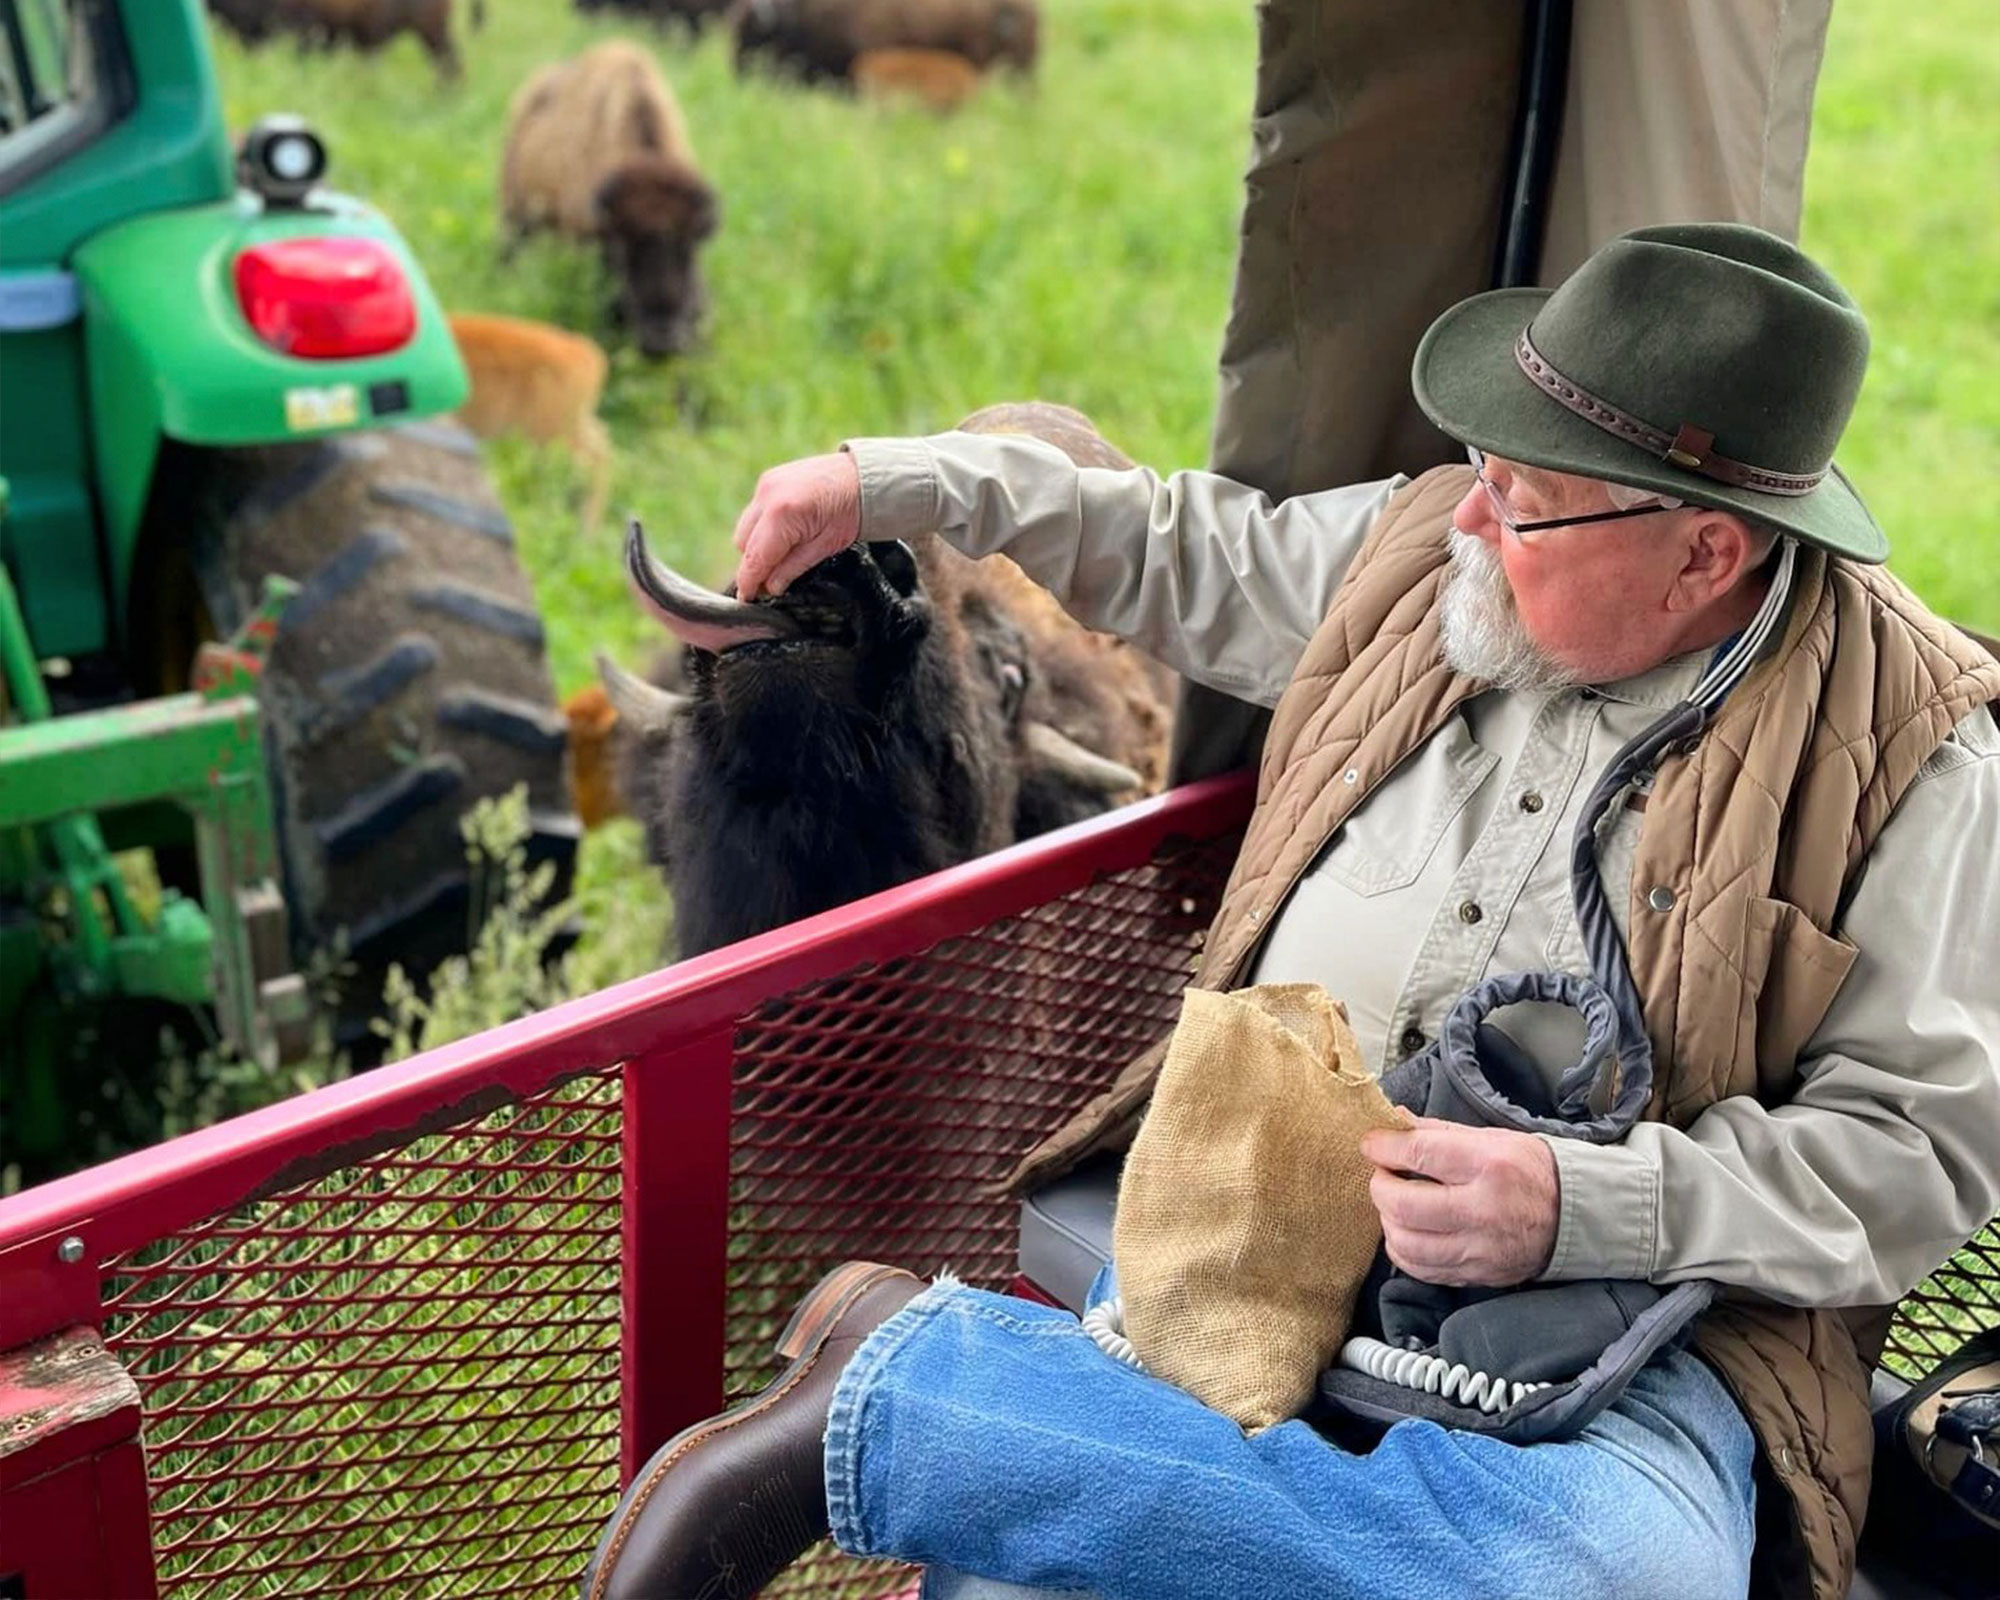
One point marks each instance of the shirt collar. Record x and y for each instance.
(1661, 688)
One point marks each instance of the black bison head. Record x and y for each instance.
(862, 729)
(653, 213)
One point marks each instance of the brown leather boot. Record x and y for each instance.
(729, 1503)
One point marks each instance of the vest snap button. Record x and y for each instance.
(1351, 775)
(1660, 898)
(1412, 1041)
(1531, 802)
(1470, 911)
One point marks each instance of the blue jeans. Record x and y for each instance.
(989, 1436)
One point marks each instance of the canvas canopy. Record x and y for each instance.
(1385, 143)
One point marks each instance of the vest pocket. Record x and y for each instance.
(1391, 835)
(1802, 970)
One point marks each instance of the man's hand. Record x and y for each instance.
(1464, 1205)
(802, 513)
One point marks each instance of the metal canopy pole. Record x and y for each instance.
(1531, 157)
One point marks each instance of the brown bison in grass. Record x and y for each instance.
(541, 383)
(897, 710)
(366, 24)
(690, 14)
(938, 80)
(820, 38)
(597, 149)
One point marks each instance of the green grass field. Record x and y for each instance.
(876, 271)
(1903, 204)
(879, 271)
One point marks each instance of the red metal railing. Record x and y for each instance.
(406, 1335)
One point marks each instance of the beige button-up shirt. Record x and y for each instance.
(1887, 1157)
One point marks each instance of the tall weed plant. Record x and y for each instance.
(509, 972)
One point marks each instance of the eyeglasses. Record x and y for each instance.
(1508, 520)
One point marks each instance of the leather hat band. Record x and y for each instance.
(1689, 447)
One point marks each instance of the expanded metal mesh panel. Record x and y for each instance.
(399, 1378)
(1947, 1308)
(873, 1112)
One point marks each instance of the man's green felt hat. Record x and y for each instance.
(1709, 361)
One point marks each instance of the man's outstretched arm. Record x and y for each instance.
(1205, 574)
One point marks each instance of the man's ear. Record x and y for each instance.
(1721, 552)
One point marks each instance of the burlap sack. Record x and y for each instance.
(1244, 1226)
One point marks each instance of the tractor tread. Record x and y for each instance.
(383, 936)
(350, 693)
(522, 723)
(446, 508)
(409, 679)
(376, 812)
(319, 463)
(492, 612)
(552, 836)
(342, 573)
(442, 436)
(553, 832)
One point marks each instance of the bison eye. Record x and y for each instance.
(895, 561)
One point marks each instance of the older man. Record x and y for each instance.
(1807, 892)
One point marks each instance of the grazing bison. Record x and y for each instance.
(692, 14)
(252, 21)
(540, 382)
(940, 80)
(366, 24)
(820, 38)
(897, 710)
(597, 149)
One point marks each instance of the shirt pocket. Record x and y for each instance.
(1391, 836)
(1617, 848)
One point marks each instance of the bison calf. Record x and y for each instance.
(540, 382)
(939, 80)
(597, 149)
(897, 710)
(821, 38)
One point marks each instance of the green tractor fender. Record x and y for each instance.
(171, 354)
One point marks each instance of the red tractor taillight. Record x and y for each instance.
(323, 299)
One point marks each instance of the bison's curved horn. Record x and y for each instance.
(698, 616)
(640, 705)
(1058, 753)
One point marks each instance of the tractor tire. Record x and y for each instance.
(409, 680)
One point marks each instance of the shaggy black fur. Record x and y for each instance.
(810, 772)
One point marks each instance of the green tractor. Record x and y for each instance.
(258, 617)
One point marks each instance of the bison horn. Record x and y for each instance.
(698, 616)
(1058, 753)
(640, 705)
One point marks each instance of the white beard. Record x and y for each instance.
(1484, 636)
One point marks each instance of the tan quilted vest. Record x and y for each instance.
(1757, 831)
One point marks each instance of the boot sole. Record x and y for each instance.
(800, 1344)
